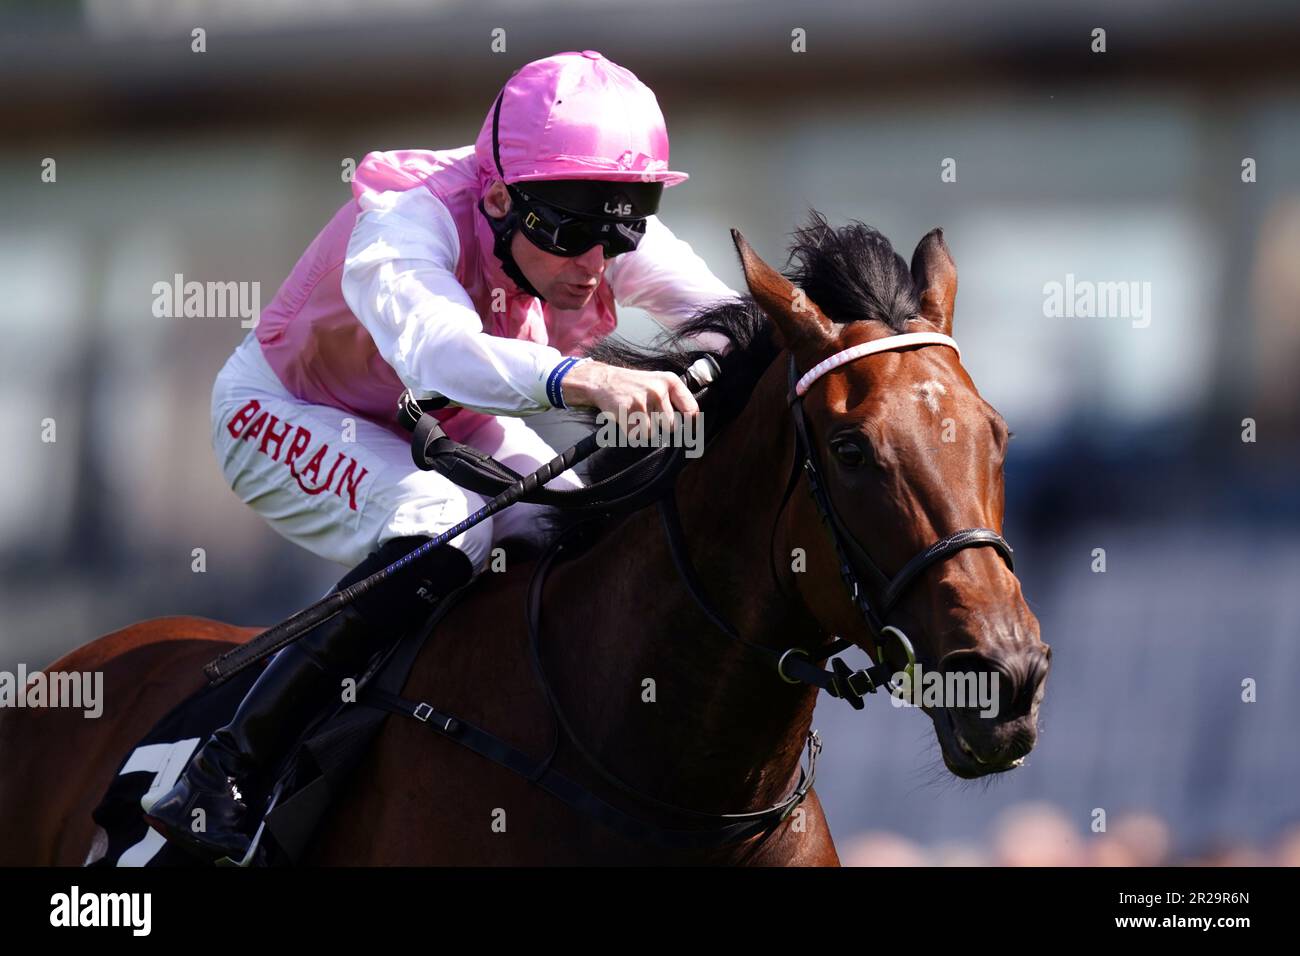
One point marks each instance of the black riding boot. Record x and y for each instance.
(297, 685)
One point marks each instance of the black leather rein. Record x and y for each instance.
(654, 480)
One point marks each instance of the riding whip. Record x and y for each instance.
(698, 377)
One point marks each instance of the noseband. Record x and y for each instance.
(797, 665)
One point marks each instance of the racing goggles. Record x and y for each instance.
(565, 233)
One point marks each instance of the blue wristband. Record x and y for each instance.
(554, 391)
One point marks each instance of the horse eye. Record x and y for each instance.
(849, 453)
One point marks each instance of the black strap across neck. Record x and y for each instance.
(653, 479)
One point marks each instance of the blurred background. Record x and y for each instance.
(1123, 166)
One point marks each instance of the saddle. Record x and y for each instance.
(301, 789)
(319, 767)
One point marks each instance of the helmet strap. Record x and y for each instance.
(503, 229)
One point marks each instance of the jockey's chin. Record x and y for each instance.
(565, 282)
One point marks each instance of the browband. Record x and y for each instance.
(888, 344)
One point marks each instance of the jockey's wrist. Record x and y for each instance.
(555, 392)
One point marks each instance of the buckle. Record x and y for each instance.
(795, 800)
(845, 687)
(428, 712)
(861, 683)
(806, 779)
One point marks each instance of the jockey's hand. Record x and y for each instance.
(613, 389)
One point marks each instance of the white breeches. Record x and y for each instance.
(340, 485)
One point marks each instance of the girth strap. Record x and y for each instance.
(757, 820)
(728, 828)
(741, 826)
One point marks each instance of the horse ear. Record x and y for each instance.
(796, 317)
(935, 275)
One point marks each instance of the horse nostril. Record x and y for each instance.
(1035, 661)
(987, 687)
(1018, 674)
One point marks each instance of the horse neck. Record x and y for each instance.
(723, 732)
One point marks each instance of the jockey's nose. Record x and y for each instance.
(592, 261)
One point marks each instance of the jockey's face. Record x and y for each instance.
(566, 283)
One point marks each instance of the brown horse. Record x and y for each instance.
(721, 732)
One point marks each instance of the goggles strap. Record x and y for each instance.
(503, 230)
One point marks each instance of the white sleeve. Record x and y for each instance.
(664, 276)
(399, 280)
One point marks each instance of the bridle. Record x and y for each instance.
(797, 665)
(794, 665)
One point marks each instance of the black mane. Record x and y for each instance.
(851, 273)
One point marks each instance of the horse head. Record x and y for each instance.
(908, 453)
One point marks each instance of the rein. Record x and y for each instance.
(654, 480)
(795, 664)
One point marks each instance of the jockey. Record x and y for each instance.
(476, 273)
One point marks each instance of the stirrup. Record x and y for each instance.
(256, 853)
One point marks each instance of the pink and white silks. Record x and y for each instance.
(401, 288)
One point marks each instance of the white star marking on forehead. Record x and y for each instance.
(929, 393)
